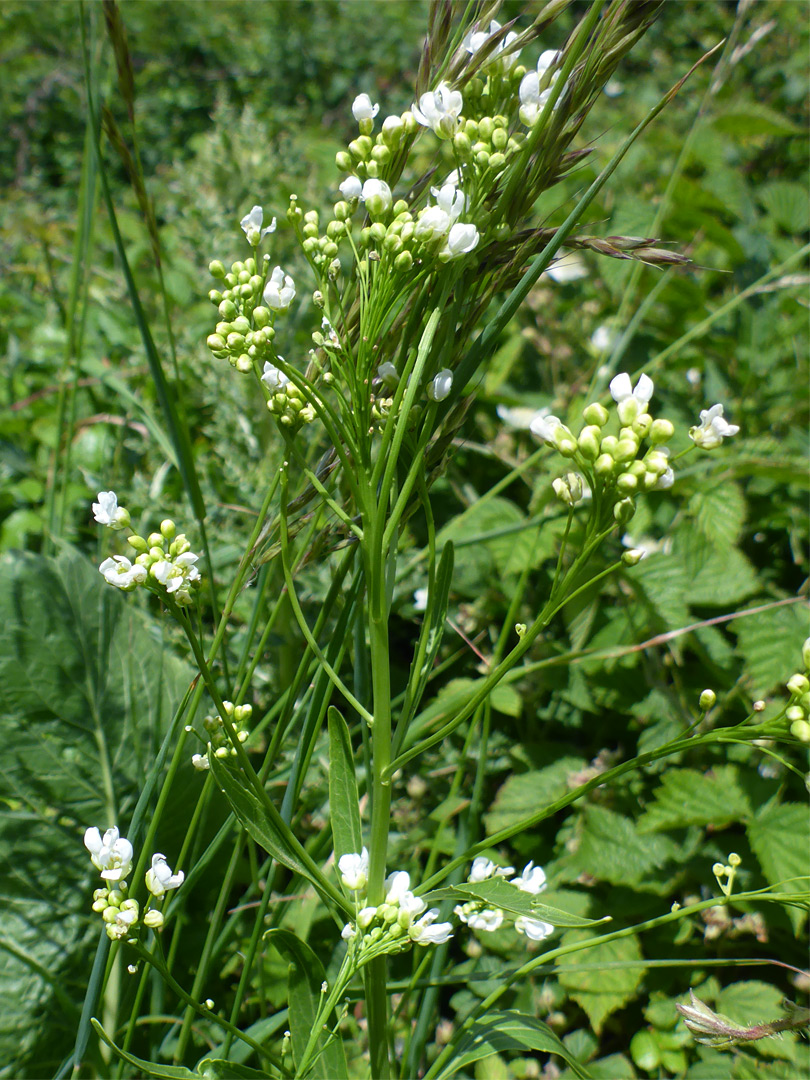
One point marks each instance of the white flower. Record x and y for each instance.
(665, 480)
(532, 98)
(621, 389)
(439, 110)
(460, 241)
(410, 906)
(279, 292)
(520, 417)
(119, 571)
(354, 870)
(441, 386)
(121, 920)
(423, 932)
(487, 919)
(366, 917)
(200, 762)
(272, 377)
(397, 884)
(348, 932)
(568, 268)
(603, 338)
(712, 429)
(451, 199)
(330, 334)
(532, 880)
(376, 194)
(535, 929)
(544, 427)
(107, 511)
(111, 854)
(432, 222)
(177, 575)
(252, 226)
(420, 599)
(160, 878)
(351, 188)
(476, 39)
(482, 869)
(362, 108)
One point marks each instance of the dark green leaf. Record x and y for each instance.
(506, 1031)
(147, 1068)
(344, 806)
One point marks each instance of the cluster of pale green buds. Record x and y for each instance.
(612, 462)
(401, 920)
(725, 874)
(286, 400)
(479, 916)
(112, 856)
(798, 711)
(245, 332)
(218, 742)
(164, 560)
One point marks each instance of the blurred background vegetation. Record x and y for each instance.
(241, 103)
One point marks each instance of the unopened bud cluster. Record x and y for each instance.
(164, 561)
(112, 856)
(798, 711)
(619, 462)
(725, 874)
(247, 306)
(219, 743)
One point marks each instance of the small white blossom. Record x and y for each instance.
(121, 920)
(159, 879)
(487, 919)
(532, 98)
(410, 906)
(439, 110)
(200, 762)
(665, 480)
(420, 599)
(119, 571)
(713, 428)
(279, 292)
(376, 194)
(604, 338)
(397, 884)
(348, 932)
(440, 387)
(520, 417)
(111, 854)
(426, 931)
(363, 109)
(252, 226)
(330, 334)
(535, 929)
(107, 511)
(622, 389)
(365, 917)
(351, 188)
(273, 378)
(544, 427)
(354, 870)
(476, 39)
(176, 576)
(461, 240)
(532, 880)
(483, 869)
(566, 269)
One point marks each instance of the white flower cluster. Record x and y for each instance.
(535, 87)
(400, 920)
(112, 856)
(476, 39)
(218, 742)
(164, 561)
(488, 919)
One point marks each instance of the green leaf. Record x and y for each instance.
(610, 848)
(264, 823)
(306, 977)
(771, 642)
(602, 988)
(219, 1069)
(521, 794)
(780, 838)
(344, 805)
(147, 1068)
(787, 204)
(753, 119)
(505, 1031)
(499, 893)
(688, 797)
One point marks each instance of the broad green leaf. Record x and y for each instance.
(306, 977)
(602, 988)
(146, 1068)
(344, 806)
(663, 582)
(780, 838)
(610, 848)
(264, 823)
(506, 1031)
(505, 699)
(770, 642)
(499, 893)
(688, 797)
(88, 692)
(523, 793)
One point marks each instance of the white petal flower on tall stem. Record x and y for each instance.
(121, 573)
(631, 401)
(396, 885)
(252, 226)
(439, 110)
(545, 426)
(426, 931)
(713, 428)
(279, 292)
(476, 39)
(532, 880)
(159, 878)
(107, 511)
(110, 854)
(532, 98)
(354, 870)
(273, 378)
(363, 108)
(461, 240)
(535, 929)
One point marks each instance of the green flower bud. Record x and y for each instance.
(215, 343)
(230, 280)
(603, 466)
(626, 483)
(168, 528)
(609, 444)
(486, 125)
(461, 143)
(310, 229)
(642, 424)
(342, 211)
(497, 161)
(215, 296)
(240, 324)
(707, 700)
(310, 245)
(238, 267)
(343, 161)
(404, 261)
(138, 543)
(471, 129)
(255, 283)
(588, 442)
(228, 310)
(392, 243)
(794, 712)
(329, 249)
(623, 511)
(661, 431)
(500, 138)
(798, 684)
(294, 212)
(261, 317)
(381, 154)
(378, 232)
(216, 269)
(800, 729)
(626, 450)
(236, 341)
(482, 159)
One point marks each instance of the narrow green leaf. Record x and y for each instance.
(306, 977)
(505, 1031)
(267, 828)
(146, 1068)
(218, 1069)
(500, 893)
(344, 805)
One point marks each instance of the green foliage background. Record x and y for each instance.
(241, 103)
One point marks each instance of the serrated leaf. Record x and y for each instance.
(664, 583)
(780, 838)
(752, 119)
(508, 1031)
(770, 643)
(719, 512)
(522, 794)
(610, 848)
(688, 797)
(602, 989)
(787, 203)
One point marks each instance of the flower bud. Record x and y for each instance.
(626, 483)
(462, 144)
(801, 730)
(343, 160)
(440, 387)
(215, 343)
(794, 712)
(588, 442)
(642, 424)
(798, 684)
(216, 269)
(215, 296)
(603, 466)
(661, 431)
(707, 700)
(626, 450)
(404, 261)
(633, 556)
(153, 919)
(381, 154)
(392, 131)
(623, 511)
